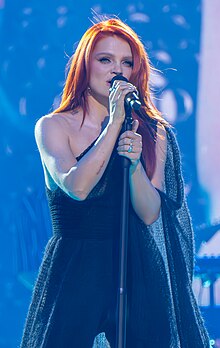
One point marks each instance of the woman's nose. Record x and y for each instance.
(117, 69)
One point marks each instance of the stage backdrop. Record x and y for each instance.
(36, 40)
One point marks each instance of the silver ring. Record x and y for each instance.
(130, 149)
(119, 96)
(111, 89)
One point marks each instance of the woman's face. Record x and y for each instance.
(111, 55)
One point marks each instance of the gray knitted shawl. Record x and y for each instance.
(167, 266)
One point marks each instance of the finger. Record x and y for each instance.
(128, 141)
(125, 148)
(135, 125)
(130, 134)
(118, 86)
(118, 93)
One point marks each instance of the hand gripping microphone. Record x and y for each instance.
(131, 98)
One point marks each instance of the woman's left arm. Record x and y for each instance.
(144, 197)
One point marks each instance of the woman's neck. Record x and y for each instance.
(97, 112)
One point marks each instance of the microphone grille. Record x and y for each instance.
(118, 77)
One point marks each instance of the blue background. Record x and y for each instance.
(36, 39)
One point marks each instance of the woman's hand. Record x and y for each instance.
(130, 144)
(117, 95)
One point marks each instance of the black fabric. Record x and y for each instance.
(76, 287)
(75, 294)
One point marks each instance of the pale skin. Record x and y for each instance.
(61, 140)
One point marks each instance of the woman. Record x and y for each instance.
(81, 145)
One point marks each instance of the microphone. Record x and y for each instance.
(131, 98)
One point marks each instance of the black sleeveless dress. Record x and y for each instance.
(75, 293)
(74, 298)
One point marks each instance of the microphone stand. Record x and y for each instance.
(121, 311)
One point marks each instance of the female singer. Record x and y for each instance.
(81, 145)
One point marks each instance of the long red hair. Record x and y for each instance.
(76, 86)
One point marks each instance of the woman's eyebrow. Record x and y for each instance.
(112, 55)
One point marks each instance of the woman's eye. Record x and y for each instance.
(104, 60)
(128, 63)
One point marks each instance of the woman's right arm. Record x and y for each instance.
(76, 179)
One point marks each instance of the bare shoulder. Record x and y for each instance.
(45, 128)
(53, 120)
(57, 156)
(60, 124)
